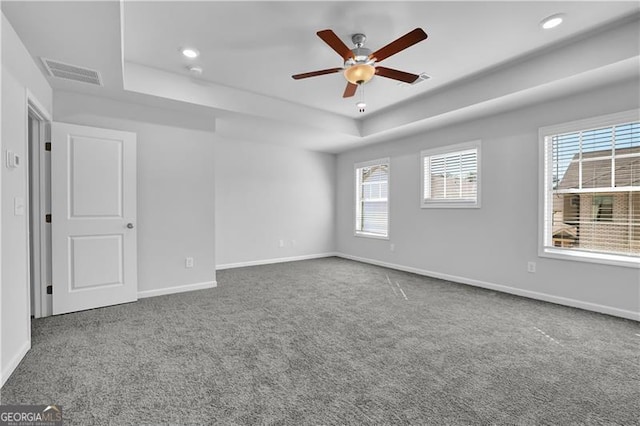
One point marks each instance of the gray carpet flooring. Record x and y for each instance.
(331, 341)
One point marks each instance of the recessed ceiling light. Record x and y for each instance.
(190, 52)
(552, 21)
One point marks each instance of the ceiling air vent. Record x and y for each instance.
(72, 72)
(422, 77)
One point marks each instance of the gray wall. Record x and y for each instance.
(266, 193)
(19, 74)
(263, 193)
(489, 246)
(175, 185)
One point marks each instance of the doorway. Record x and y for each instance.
(38, 206)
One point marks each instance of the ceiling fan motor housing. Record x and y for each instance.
(360, 55)
(359, 69)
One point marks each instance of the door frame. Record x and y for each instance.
(37, 206)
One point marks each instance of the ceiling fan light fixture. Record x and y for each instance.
(359, 73)
(552, 21)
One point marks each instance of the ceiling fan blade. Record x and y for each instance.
(396, 75)
(399, 45)
(335, 43)
(316, 73)
(350, 90)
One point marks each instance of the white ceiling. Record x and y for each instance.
(257, 46)
(478, 53)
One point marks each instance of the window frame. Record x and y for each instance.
(356, 197)
(545, 239)
(450, 149)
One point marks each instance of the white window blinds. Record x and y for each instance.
(372, 202)
(450, 176)
(593, 192)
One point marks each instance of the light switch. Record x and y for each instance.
(13, 160)
(18, 206)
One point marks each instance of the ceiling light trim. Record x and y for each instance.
(552, 21)
(189, 52)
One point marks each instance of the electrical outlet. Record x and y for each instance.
(392, 247)
(281, 243)
(531, 267)
(188, 262)
(293, 243)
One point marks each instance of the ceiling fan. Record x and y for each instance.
(360, 65)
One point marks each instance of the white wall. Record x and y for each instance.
(19, 73)
(266, 193)
(490, 245)
(175, 186)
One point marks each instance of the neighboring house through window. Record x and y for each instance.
(451, 176)
(592, 189)
(372, 198)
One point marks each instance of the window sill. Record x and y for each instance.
(374, 236)
(583, 256)
(450, 205)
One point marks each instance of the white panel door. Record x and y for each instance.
(93, 224)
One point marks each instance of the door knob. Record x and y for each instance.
(130, 225)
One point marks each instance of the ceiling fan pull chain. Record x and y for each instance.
(361, 104)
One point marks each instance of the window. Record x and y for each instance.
(372, 199)
(591, 174)
(450, 176)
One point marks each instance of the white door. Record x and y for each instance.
(93, 224)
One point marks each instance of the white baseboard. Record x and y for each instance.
(276, 260)
(609, 310)
(13, 363)
(177, 289)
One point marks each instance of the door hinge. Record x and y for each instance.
(47, 146)
(49, 289)
(47, 218)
